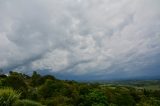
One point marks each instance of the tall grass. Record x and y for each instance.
(8, 96)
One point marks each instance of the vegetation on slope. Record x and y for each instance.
(18, 89)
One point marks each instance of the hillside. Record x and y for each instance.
(19, 89)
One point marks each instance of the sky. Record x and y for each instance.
(81, 39)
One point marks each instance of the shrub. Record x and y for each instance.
(58, 101)
(26, 102)
(16, 82)
(95, 98)
(8, 96)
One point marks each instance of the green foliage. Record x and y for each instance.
(8, 96)
(33, 94)
(26, 103)
(49, 91)
(48, 77)
(125, 100)
(17, 82)
(58, 101)
(95, 98)
(36, 79)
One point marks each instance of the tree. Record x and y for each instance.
(36, 79)
(95, 98)
(47, 89)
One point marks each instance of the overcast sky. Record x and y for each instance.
(81, 39)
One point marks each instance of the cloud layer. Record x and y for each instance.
(96, 39)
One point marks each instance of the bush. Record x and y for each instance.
(8, 96)
(16, 82)
(26, 103)
(58, 101)
(95, 98)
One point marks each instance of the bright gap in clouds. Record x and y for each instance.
(81, 39)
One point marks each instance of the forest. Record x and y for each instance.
(18, 89)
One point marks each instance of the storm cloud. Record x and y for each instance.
(84, 38)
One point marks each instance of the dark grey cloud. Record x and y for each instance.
(97, 38)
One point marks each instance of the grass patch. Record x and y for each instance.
(8, 96)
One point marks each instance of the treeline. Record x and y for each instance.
(18, 89)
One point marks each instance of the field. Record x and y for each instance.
(138, 84)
